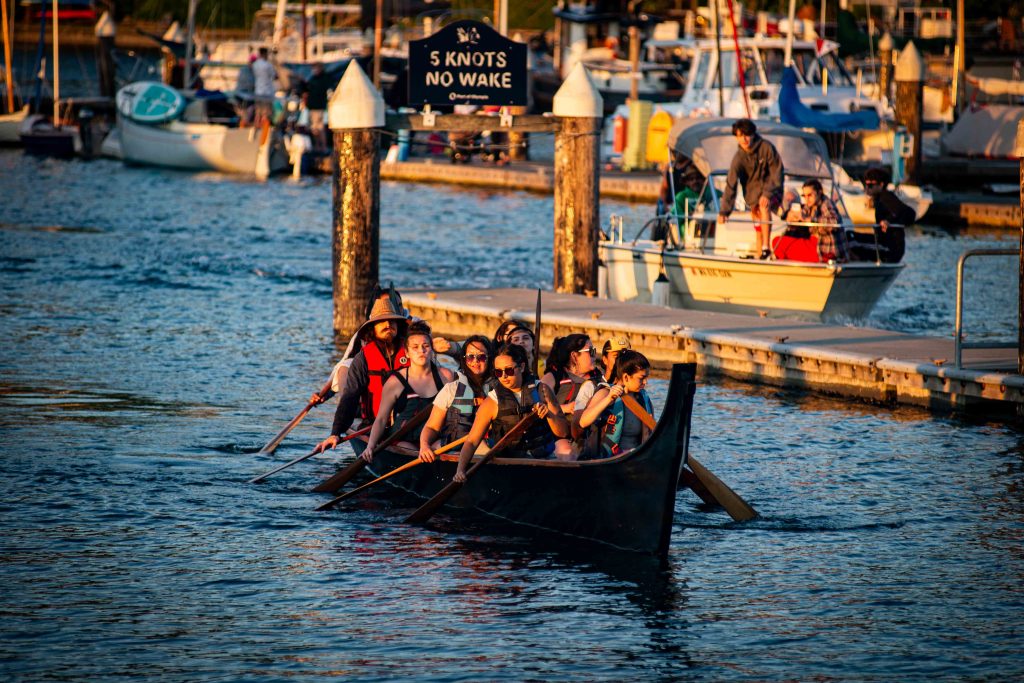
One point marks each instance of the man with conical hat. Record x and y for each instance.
(382, 352)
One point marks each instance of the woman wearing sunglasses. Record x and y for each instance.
(456, 404)
(410, 390)
(511, 400)
(620, 429)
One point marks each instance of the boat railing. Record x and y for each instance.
(959, 331)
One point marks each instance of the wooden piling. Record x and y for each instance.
(356, 114)
(518, 142)
(885, 46)
(909, 78)
(577, 165)
(105, 67)
(1020, 270)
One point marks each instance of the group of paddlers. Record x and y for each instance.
(583, 408)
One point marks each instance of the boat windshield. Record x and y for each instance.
(751, 74)
(811, 68)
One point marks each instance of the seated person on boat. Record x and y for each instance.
(410, 390)
(515, 332)
(510, 401)
(681, 185)
(571, 364)
(815, 233)
(620, 429)
(382, 353)
(456, 404)
(891, 216)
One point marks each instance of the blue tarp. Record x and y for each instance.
(795, 113)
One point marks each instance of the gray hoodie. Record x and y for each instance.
(760, 170)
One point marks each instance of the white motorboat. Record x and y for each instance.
(10, 126)
(159, 126)
(709, 265)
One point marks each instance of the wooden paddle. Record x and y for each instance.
(342, 477)
(427, 510)
(737, 508)
(409, 465)
(256, 480)
(273, 444)
(536, 338)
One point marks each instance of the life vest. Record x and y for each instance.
(410, 402)
(459, 419)
(567, 389)
(614, 416)
(538, 442)
(379, 368)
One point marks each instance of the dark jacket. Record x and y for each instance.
(357, 384)
(759, 170)
(317, 87)
(892, 242)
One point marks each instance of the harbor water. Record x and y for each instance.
(157, 328)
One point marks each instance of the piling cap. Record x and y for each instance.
(355, 102)
(910, 66)
(578, 97)
(174, 33)
(886, 42)
(105, 27)
(1019, 151)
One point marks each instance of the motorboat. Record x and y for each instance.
(160, 126)
(703, 263)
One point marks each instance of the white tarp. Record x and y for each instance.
(990, 131)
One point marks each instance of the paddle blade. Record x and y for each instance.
(427, 510)
(687, 479)
(345, 496)
(737, 508)
(341, 477)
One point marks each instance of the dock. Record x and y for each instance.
(879, 366)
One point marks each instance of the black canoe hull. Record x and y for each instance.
(626, 502)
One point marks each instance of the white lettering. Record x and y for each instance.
(435, 60)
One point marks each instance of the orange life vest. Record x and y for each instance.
(380, 369)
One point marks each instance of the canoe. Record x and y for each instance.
(626, 502)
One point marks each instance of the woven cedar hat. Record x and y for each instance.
(385, 304)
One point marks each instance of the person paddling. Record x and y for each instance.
(456, 404)
(621, 430)
(408, 391)
(381, 355)
(504, 407)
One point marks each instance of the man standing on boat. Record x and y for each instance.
(382, 353)
(758, 166)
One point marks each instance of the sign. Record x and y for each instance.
(467, 62)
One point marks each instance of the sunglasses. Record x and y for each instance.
(592, 351)
(505, 372)
(476, 357)
(871, 183)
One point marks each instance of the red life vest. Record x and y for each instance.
(380, 369)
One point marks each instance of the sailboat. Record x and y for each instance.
(10, 123)
(49, 138)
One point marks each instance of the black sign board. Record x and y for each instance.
(467, 62)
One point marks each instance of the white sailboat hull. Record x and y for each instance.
(196, 147)
(715, 282)
(10, 126)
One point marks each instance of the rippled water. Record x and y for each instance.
(158, 328)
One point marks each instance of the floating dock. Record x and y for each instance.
(875, 365)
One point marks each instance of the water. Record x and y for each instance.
(158, 328)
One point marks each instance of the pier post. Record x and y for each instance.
(909, 99)
(579, 106)
(518, 143)
(1019, 151)
(356, 114)
(885, 46)
(105, 32)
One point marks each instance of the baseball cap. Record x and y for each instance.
(614, 344)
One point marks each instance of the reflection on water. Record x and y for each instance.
(147, 353)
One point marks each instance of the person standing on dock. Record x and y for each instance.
(316, 90)
(758, 166)
(891, 216)
(381, 355)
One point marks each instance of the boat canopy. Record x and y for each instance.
(711, 145)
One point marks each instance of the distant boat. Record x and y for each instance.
(49, 138)
(712, 265)
(160, 126)
(10, 126)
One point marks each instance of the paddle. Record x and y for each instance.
(256, 480)
(342, 477)
(270, 447)
(536, 338)
(409, 465)
(427, 510)
(737, 508)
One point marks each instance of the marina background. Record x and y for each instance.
(158, 327)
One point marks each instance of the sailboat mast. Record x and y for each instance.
(789, 35)
(56, 69)
(190, 31)
(8, 75)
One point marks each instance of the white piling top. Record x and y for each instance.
(174, 33)
(578, 97)
(105, 27)
(910, 66)
(355, 102)
(1019, 151)
(885, 43)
